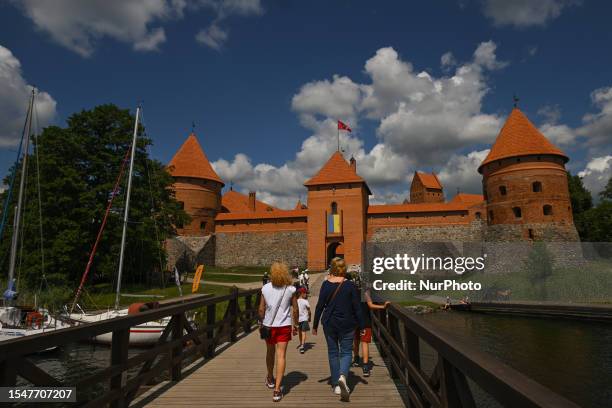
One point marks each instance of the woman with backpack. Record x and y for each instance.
(339, 310)
(277, 308)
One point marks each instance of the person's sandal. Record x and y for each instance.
(270, 383)
(277, 396)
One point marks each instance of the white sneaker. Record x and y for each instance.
(336, 390)
(345, 392)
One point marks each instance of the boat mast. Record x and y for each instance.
(18, 208)
(127, 209)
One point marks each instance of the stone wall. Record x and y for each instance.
(260, 248)
(461, 233)
(550, 232)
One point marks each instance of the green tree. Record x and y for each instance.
(606, 194)
(539, 266)
(582, 201)
(79, 164)
(580, 197)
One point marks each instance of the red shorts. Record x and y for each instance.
(279, 335)
(367, 336)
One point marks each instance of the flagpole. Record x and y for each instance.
(338, 136)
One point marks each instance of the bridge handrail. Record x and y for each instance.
(398, 332)
(178, 341)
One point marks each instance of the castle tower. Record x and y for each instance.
(337, 206)
(525, 184)
(197, 187)
(426, 188)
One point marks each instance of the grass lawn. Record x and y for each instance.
(224, 277)
(107, 299)
(588, 284)
(251, 270)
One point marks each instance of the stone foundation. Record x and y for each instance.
(261, 248)
(187, 252)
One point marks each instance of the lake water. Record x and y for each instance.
(572, 358)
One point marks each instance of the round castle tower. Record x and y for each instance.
(525, 185)
(197, 187)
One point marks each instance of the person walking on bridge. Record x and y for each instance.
(277, 307)
(339, 310)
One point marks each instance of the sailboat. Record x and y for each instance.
(143, 334)
(18, 320)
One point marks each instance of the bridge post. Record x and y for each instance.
(248, 305)
(8, 372)
(211, 318)
(413, 357)
(233, 314)
(119, 355)
(177, 350)
(393, 327)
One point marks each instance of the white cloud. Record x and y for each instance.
(421, 122)
(561, 135)
(524, 13)
(596, 174)
(461, 172)
(447, 60)
(14, 96)
(597, 127)
(214, 36)
(78, 24)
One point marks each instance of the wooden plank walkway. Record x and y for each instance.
(235, 378)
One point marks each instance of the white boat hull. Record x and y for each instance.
(145, 334)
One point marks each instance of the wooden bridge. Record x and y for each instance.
(221, 363)
(235, 378)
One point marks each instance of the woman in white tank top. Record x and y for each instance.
(278, 310)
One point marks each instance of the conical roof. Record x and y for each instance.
(191, 161)
(336, 170)
(519, 137)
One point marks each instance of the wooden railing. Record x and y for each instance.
(398, 332)
(179, 342)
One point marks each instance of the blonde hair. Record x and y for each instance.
(279, 274)
(338, 267)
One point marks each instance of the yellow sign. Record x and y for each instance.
(196, 278)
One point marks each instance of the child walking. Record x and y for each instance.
(365, 338)
(304, 317)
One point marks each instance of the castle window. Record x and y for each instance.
(478, 216)
(334, 208)
(181, 205)
(530, 233)
(490, 215)
(547, 209)
(502, 190)
(536, 186)
(517, 212)
(202, 225)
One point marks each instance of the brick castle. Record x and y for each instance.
(525, 197)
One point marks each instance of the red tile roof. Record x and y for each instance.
(519, 137)
(336, 170)
(236, 202)
(468, 198)
(262, 215)
(190, 161)
(429, 180)
(416, 207)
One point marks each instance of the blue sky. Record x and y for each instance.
(266, 80)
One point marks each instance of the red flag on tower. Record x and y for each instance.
(343, 126)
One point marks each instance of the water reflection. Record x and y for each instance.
(573, 358)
